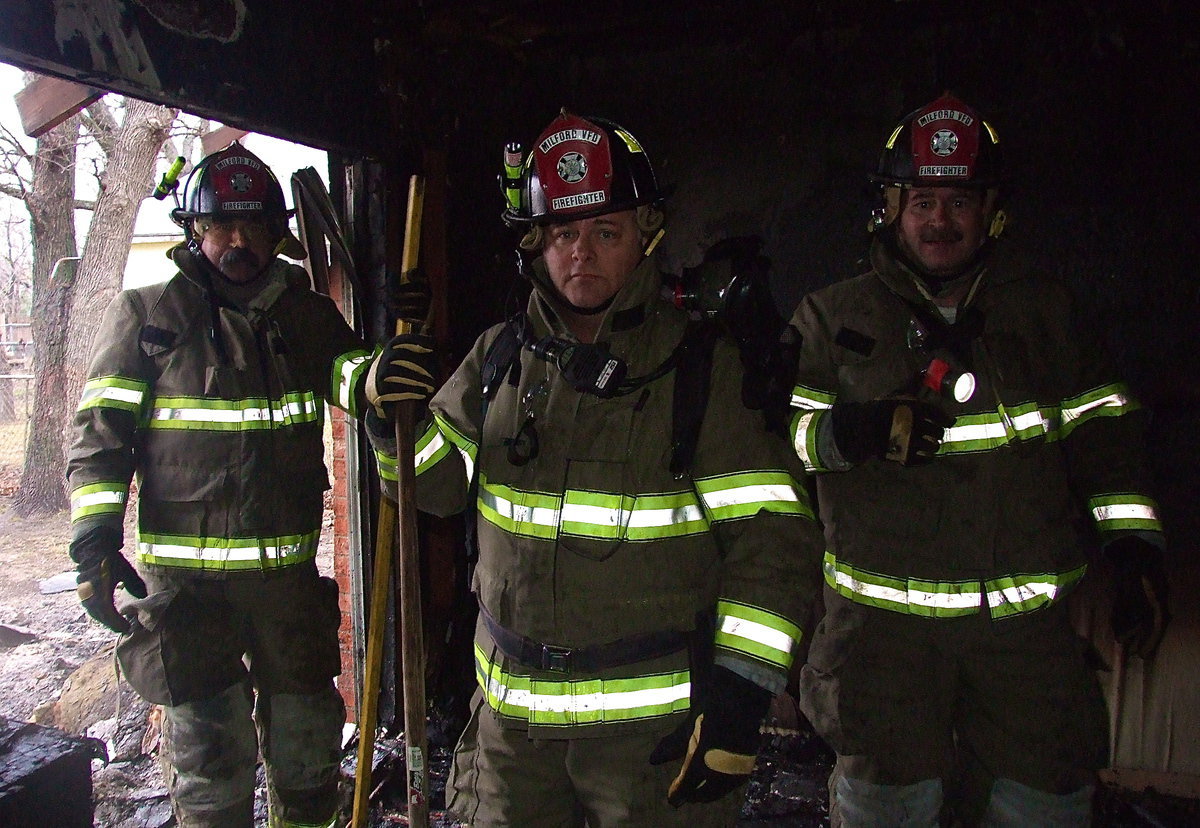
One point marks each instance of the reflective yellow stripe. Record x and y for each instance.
(757, 633)
(98, 499)
(194, 552)
(580, 701)
(113, 392)
(347, 369)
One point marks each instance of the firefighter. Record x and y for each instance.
(210, 388)
(634, 623)
(962, 430)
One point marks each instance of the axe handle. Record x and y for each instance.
(398, 526)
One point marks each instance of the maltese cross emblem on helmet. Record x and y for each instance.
(572, 167)
(944, 142)
(241, 182)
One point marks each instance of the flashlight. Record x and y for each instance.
(511, 177)
(945, 380)
(170, 179)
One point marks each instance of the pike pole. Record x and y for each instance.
(398, 523)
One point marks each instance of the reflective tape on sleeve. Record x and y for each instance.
(104, 498)
(348, 371)
(757, 633)
(121, 393)
(1128, 511)
(1113, 400)
(741, 495)
(1016, 594)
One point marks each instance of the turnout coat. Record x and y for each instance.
(591, 550)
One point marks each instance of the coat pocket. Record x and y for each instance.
(168, 656)
(595, 515)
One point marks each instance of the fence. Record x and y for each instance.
(16, 409)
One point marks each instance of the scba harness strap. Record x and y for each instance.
(589, 372)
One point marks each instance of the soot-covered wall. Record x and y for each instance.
(773, 132)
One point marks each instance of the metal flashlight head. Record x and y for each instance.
(947, 380)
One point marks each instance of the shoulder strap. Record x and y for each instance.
(693, 376)
(502, 361)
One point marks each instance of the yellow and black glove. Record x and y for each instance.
(1139, 612)
(101, 567)
(719, 742)
(404, 370)
(906, 430)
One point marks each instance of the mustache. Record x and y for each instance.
(239, 256)
(945, 235)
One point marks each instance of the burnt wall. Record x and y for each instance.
(771, 127)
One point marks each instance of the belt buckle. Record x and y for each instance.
(556, 659)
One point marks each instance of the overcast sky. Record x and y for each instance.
(281, 156)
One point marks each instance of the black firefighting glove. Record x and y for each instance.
(719, 742)
(404, 370)
(101, 567)
(906, 430)
(1139, 612)
(409, 299)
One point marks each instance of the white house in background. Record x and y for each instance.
(154, 233)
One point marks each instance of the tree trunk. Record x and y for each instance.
(67, 311)
(51, 205)
(127, 180)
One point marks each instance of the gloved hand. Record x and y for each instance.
(1139, 612)
(719, 742)
(404, 370)
(906, 430)
(98, 559)
(409, 299)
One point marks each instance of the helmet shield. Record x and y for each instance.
(580, 168)
(943, 144)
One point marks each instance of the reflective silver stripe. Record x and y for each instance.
(518, 513)
(221, 554)
(995, 430)
(1115, 400)
(759, 633)
(804, 444)
(113, 498)
(349, 373)
(600, 515)
(468, 461)
(802, 400)
(977, 431)
(254, 414)
(586, 702)
(436, 441)
(1032, 419)
(755, 493)
(921, 598)
(1020, 593)
(654, 518)
(112, 392)
(1124, 511)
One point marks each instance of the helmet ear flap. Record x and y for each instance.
(886, 214)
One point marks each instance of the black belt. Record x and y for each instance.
(585, 659)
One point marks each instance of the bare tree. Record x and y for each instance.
(50, 199)
(67, 308)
